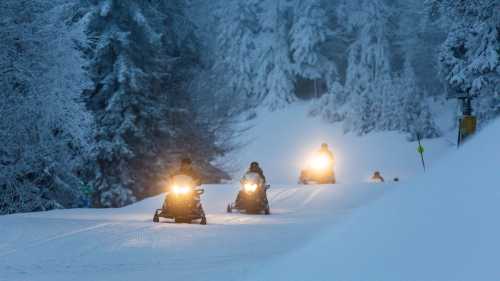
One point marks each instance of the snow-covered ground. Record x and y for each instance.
(124, 244)
(441, 225)
(283, 140)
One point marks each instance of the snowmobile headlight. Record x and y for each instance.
(181, 189)
(250, 187)
(320, 162)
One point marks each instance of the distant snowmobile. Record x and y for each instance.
(377, 177)
(319, 169)
(252, 198)
(182, 202)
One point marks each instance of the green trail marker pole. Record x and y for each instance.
(420, 150)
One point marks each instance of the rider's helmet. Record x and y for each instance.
(254, 165)
(324, 146)
(186, 161)
(376, 174)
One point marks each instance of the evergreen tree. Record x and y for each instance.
(236, 48)
(309, 31)
(368, 69)
(43, 148)
(144, 56)
(411, 109)
(265, 45)
(470, 56)
(331, 105)
(124, 52)
(416, 39)
(274, 76)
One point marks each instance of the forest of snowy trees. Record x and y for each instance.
(100, 98)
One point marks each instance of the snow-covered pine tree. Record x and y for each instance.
(44, 146)
(410, 107)
(236, 47)
(416, 39)
(331, 105)
(470, 56)
(265, 45)
(274, 74)
(371, 88)
(124, 67)
(340, 34)
(143, 57)
(369, 68)
(201, 114)
(310, 29)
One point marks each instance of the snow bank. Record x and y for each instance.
(283, 140)
(443, 226)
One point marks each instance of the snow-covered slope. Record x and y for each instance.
(355, 230)
(124, 244)
(443, 226)
(282, 141)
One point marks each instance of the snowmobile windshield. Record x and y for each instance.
(251, 181)
(252, 177)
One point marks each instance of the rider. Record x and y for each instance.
(378, 177)
(255, 168)
(187, 169)
(325, 151)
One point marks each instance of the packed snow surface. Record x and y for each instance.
(124, 244)
(441, 225)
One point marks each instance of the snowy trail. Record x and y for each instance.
(282, 141)
(123, 244)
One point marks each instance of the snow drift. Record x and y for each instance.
(443, 226)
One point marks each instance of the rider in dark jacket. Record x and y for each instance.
(187, 169)
(255, 168)
(377, 177)
(326, 151)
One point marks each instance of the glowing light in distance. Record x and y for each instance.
(320, 162)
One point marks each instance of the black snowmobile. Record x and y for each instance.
(252, 198)
(182, 202)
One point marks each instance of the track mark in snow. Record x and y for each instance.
(120, 244)
(310, 197)
(282, 195)
(56, 237)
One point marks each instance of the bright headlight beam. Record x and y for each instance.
(320, 162)
(181, 189)
(250, 187)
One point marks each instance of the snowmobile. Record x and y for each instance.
(319, 171)
(252, 197)
(182, 202)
